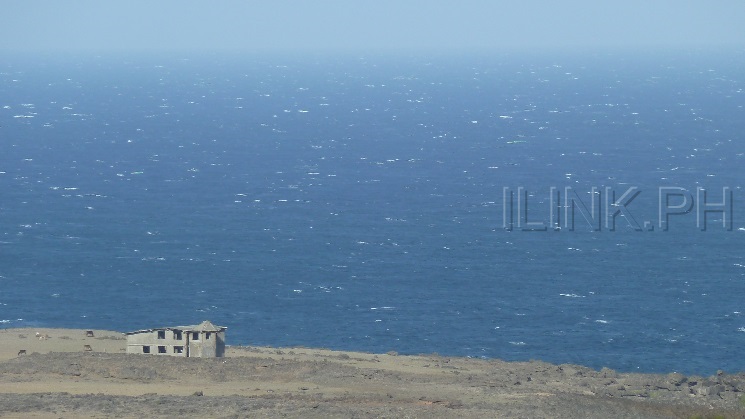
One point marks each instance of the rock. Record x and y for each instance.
(570, 370)
(606, 372)
(710, 390)
(676, 379)
(732, 383)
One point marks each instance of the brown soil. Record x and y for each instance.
(57, 378)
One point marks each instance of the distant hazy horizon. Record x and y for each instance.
(380, 26)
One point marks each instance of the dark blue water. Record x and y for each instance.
(356, 202)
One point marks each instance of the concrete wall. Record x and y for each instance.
(207, 344)
(220, 341)
(160, 342)
(166, 342)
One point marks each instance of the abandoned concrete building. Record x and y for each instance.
(204, 340)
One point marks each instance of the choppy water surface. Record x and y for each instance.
(356, 202)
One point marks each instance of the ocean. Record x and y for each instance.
(371, 202)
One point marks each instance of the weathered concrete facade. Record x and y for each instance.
(204, 340)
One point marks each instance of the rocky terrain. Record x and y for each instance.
(302, 382)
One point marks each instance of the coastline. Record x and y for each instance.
(57, 377)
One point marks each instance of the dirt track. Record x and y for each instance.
(301, 382)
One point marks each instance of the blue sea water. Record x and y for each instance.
(356, 202)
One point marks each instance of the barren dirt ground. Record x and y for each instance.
(58, 378)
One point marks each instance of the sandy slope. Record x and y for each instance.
(57, 378)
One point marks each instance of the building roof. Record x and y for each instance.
(205, 326)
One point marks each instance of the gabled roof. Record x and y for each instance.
(205, 326)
